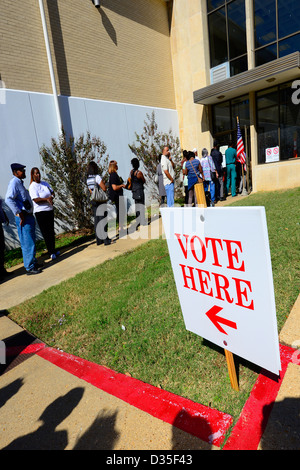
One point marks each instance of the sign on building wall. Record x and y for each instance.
(222, 268)
(272, 154)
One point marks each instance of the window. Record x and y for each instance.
(289, 45)
(278, 124)
(288, 17)
(277, 29)
(227, 34)
(217, 37)
(225, 114)
(213, 4)
(264, 22)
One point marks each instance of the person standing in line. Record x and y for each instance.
(160, 181)
(218, 160)
(167, 166)
(137, 187)
(209, 169)
(195, 152)
(3, 220)
(93, 178)
(230, 156)
(42, 196)
(193, 171)
(18, 200)
(185, 178)
(116, 187)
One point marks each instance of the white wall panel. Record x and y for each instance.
(28, 120)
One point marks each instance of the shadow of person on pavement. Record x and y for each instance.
(10, 390)
(282, 430)
(101, 435)
(46, 437)
(197, 426)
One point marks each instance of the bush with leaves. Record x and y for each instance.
(65, 165)
(149, 145)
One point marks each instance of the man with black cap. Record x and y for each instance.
(18, 200)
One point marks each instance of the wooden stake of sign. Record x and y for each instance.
(201, 202)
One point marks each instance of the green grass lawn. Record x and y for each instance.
(125, 314)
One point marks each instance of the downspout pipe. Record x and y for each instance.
(50, 64)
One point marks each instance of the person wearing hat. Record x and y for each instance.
(18, 200)
(195, 151)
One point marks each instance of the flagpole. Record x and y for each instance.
(247, 161)
(244, 191)
(242, 165)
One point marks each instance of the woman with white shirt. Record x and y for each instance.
(101, 213)
(42, 197)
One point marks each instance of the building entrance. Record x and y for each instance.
(223, 139)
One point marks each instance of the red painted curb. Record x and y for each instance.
(207, 424)
(249, 429)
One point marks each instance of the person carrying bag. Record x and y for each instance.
(99, 199)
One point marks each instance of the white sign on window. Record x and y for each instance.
(222, 269)
(272, 154)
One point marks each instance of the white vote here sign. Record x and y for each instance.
(222, 269)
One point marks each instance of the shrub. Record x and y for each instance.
(65, 164)
(149, 145)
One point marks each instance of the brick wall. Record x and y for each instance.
(23, 60)
(120, 52)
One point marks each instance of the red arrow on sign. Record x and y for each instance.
(212, 315)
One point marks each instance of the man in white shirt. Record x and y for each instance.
(195, 151)
(167, 166)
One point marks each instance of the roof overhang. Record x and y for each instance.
(267, 75)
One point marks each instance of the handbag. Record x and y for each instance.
(198, 178)
(138, 194)
(98, 195)
(129, 183)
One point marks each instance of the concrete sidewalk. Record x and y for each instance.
(44, 406)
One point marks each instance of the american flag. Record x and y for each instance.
(241, 156)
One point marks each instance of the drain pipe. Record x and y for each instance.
(50, 64)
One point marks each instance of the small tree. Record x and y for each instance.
(65, 164)
(149, 145)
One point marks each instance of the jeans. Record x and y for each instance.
(26, 234)
(220, 188)
(211, 186)
(170, 194)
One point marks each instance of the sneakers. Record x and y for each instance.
(33, 271)
(54, 255)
